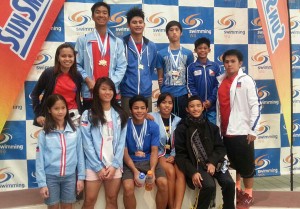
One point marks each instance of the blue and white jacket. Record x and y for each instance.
(163, 134)
(92, 141)
(136, 81)
(202, 81)
(85, 64)
(59, 153)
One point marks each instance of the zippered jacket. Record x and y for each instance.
(85, 61)
(245, 105)
(202, 81)
(59, 153)
(163, 134)
(138, 81)
(46, 84)
(93, 141)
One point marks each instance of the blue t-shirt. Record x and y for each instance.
(151, 139)
(174, 77)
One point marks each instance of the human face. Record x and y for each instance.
(174, 34)
(165, 107)
(232, 65)
(106, 93)
(139, 112)
(101, 16)
(66, 59)
(195, 108)
(136, 25)
(58, 111)
(202, 51)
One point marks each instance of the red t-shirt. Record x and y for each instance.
(139, 47)
(66, 87)
(100, 70)
(224, 100)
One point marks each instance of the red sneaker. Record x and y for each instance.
(245, 202)
(239, 195)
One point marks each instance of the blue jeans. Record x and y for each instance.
(61, 189)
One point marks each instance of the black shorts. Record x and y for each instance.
(240, 155)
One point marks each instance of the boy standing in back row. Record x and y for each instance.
(172, 63)
(141, 55)
(202, 78)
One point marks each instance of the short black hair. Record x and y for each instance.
(163, 96)
(135, 12)
(99, 4)
(192, 98)
(137, 98)
(233, 52)
(171, 24)
(202, 40)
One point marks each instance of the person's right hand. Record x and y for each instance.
(136, 179)
(197, 178)
(102, 174)
(90, 83)
(44, 192)
(40, 120)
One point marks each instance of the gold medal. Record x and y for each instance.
(141, 67)
(167, 146)
(140, 154)
(103, 62)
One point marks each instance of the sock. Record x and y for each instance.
(249, 192)
(238, 185)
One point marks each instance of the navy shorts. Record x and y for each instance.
(240, 155)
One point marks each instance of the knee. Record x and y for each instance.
(128, 189)
(170, 173)
(162, 184)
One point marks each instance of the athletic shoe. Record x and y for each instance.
(239, 195)
(245, 202)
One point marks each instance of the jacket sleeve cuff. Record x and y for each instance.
(81, 177)
(42, 184)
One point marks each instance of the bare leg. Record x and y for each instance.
(112, 188)
(128, 194)
(248, 183)
(91, 194)
(54, 206)
(66, 205)
(162, 193)
(179, 188)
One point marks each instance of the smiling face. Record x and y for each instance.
(165, 107)
(136, 25)
(202, 51)
(138, 112)
(101, 16)
(106, 93)
(195, 108)
(66, 59)
(58, 111)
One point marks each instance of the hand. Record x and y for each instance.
(149, 117)
(196, 179)
(211, 169)
(170, 159)
(90, 83)
(79, 186)
(250, 138)
(40, 120)
(110, 172)
(160, 81)
(207, 104)
(136, 178)
(102, 174)
(44, 192)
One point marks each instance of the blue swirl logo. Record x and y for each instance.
(42, 58)
(5, 137)
(226, 22)
(256, 23)
(288, 161)
(263, 128)
(118, 19)
(5, 176)
(156, 20)
(294, 23)
(79, 19)
(261, 162)
(192, 21)
(260, 58)
(263, 93)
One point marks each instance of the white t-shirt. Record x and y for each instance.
(107, 139)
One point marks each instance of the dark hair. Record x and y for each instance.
(137, 98)
(233, 52)
(50, 123)
(202, 40)
(163, 96)
(192, 98)
(135, 12)
(171, 24)
(57, 65)
(100, 4)
(97, 109)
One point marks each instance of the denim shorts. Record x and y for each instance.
(61, 189)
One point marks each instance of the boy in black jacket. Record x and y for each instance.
(200, 155)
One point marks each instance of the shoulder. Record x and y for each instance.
(186, 51)
(153, 125)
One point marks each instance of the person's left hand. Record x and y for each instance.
(170, 159)
(110, 172)
(250, 138)
(211, 169)
(207, 104)
(79, 186)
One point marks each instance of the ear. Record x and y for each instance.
(241, 63)
(209, 50)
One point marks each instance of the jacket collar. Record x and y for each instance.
(198, 63)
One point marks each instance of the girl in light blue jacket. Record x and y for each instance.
(167, 122)
(58, 155)
(103, 129)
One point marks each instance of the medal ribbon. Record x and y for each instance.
(139, 54)
(169, 133)
(175, 62)
(102, 46)
(139, 139)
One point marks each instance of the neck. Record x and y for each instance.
(174, 45)
(101, 30)
(137, 37)
(231, 75)
(60, 125)
(165, 115)
(202, 60)
(64, 70)
(137, 121)
(106, 106)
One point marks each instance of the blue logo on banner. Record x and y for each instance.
(268, 96)
(57, 31)
(196, 24)
(79, 19)
(29, 86)
(12, 141)
(31, 174)
(5, 177)
(296, 60)
(118, 21)
(157, 20)
(296, 131)
(256, 34)
(287, 162)
(267, 162)
(294, 4)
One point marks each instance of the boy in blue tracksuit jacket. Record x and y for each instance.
(202, 78)
(141, 57)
